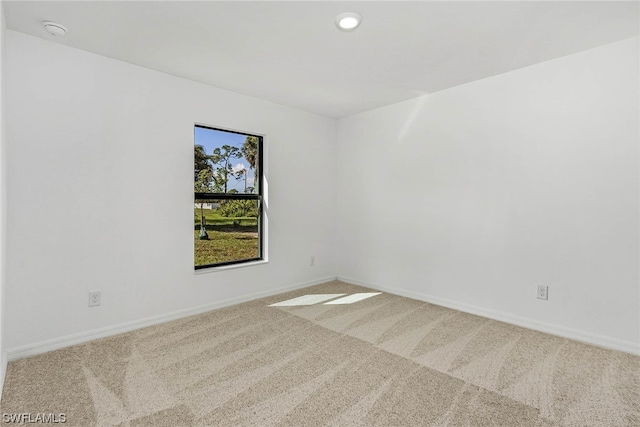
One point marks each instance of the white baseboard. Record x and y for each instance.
(574, 334)
(3, 370)
(82, 337)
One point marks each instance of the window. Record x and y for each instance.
(228, 197)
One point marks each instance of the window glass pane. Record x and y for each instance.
(225, 231)
(225, 162)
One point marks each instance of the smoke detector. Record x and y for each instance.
(54, 28)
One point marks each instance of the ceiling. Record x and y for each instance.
(291, 52)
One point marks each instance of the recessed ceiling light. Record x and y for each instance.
(54, 28)
(348, 21)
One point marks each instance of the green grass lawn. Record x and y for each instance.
(230, 239)
(213, 218)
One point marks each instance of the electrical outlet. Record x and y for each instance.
(94, 299)
(543, 292)
(312, 261)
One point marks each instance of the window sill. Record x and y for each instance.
(229, 267)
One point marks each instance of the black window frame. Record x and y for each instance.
(258, 195)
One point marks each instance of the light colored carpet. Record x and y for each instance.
(383, 361)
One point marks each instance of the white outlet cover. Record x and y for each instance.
(94, 299)
(542, 292)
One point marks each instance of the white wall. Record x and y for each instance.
(473, 195)
(3, 204)
(100, 195)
